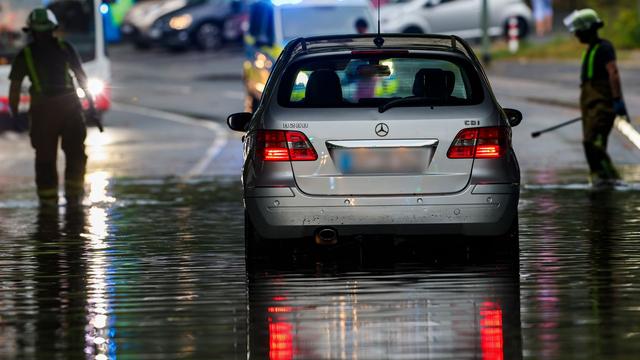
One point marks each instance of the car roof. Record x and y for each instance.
(316, 3)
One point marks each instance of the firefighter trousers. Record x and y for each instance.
(597, 121)
(53, 120)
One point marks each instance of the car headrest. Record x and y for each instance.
(434, 83)
(323, 88)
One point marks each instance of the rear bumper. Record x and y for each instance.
(480, 210)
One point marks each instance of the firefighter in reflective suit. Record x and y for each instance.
(55, 113)
(601, 94)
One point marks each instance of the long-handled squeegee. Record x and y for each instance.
(555, 127)
(622, 124)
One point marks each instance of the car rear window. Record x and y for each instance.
(374, 80)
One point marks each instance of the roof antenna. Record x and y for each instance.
(378, 40)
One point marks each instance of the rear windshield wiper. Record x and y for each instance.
(406, 100)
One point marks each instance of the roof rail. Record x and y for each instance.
(415, 41)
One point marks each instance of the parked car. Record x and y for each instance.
(272, 24)
(204, 24)
(137, 24)
(179, 24)
(358, 135)
(458, 17)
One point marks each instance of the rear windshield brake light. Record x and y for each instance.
(380, 52)
(280, 145)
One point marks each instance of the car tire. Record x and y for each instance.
(254, 245)
(523, 28)
(508, 244)
(141, 45)
(503, 248)
(413, 30)
(208, 36)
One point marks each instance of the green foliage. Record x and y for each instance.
(625, 30)
(622, 21)
(561, 47)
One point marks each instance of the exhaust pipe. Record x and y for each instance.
(326, 236)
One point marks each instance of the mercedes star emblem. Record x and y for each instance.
(382, 129)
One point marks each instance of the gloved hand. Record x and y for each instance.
(619, 107)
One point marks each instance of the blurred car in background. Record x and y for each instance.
(457, 17)
(272, 24)
(137, 24)
(179, 24)
(205, 24)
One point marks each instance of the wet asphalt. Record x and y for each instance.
(152, 265)
(156, 269)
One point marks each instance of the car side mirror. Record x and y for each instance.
(239, 121)
(514, 117)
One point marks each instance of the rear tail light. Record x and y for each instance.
(480, 143)
(280, 145)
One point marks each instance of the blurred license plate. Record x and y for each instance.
(382, 160)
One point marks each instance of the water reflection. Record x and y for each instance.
(603, 249)
(99, 335)
(60, 287)
(97, 145)
(70, 281)
(580, 274)
(158, 272)
(334, 309)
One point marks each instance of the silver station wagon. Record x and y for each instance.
(385, 135)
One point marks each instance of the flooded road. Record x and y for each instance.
(154, 269)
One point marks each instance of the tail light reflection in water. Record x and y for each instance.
(459, 312)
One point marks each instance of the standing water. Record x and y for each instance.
(155, 269)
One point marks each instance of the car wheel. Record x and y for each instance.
(413, 30)
(254, 245)
(504, 248)
(509, 243)
(141, 45)
(208, 36)
(523, 28)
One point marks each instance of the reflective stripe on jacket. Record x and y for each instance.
(33, 72)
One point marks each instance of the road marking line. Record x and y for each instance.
(628, 131)
(214, 150)
(220, 141)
